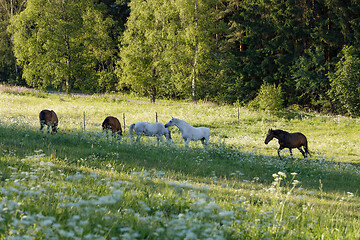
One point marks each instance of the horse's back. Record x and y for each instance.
(205, 130)
(44, 114)
(54, 117)
(298, 139)
(197, 133)
(159, 127)
(48, 116)
(149, 128)
(113, 122)
(140, 126)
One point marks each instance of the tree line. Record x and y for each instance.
(218, 50)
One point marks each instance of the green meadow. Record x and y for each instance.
(82, 184)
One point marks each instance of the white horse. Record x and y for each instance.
(190, 133)
(149, 129)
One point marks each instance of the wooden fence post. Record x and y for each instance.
(156, 116)
(124, 122)
(84, 120)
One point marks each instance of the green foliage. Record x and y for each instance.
(269, 97)
(219, 51)
(310, 81)
(60, 43)
(9, 71)
(281, 42)
(345, 82)
(163, 48)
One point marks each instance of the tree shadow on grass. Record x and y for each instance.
(95, 151)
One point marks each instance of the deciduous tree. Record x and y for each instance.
(60, 43)
(9, 71)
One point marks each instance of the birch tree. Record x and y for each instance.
(144, 65)
(167, 46)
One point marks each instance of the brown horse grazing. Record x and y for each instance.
(113, 124)
(288, 140)
(48, 118)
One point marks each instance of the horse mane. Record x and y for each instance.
(182, 121)
(279, 132)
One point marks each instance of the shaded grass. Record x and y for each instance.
(95, 150)
(121, 190)
(333, 138)
(201, 186)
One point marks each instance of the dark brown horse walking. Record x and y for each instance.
(49, 118)
(288, 140)
(113, 124)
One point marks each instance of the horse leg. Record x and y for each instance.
(113, 133)
(278, 151)
(204, 143)
(159, 138)
(307, 151)
(52, 127)
(42, 123)
(138, 138)
(290, 152)
(187, 142)
(302, 152)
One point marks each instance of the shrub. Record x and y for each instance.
(345, 83)
(269, 97)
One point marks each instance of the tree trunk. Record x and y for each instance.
(193, 80)
(67, 80)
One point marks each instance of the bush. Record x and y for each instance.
(269, 97)
(345, 83)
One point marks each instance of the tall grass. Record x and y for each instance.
(76, 185)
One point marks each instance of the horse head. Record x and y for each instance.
(170, 123)
(269, 136)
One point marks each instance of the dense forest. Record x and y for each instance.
(303, 52)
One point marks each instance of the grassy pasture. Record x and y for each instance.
(112, 189)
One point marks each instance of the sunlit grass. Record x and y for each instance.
(83, 185)
(333, 138)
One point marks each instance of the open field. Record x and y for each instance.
(76, 185)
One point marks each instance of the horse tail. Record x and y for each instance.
(131, 129)
(54, 117)
(306, 148)
(54, 121)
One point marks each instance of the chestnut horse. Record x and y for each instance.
(48, 118)
(113, 124)
(288, 140)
